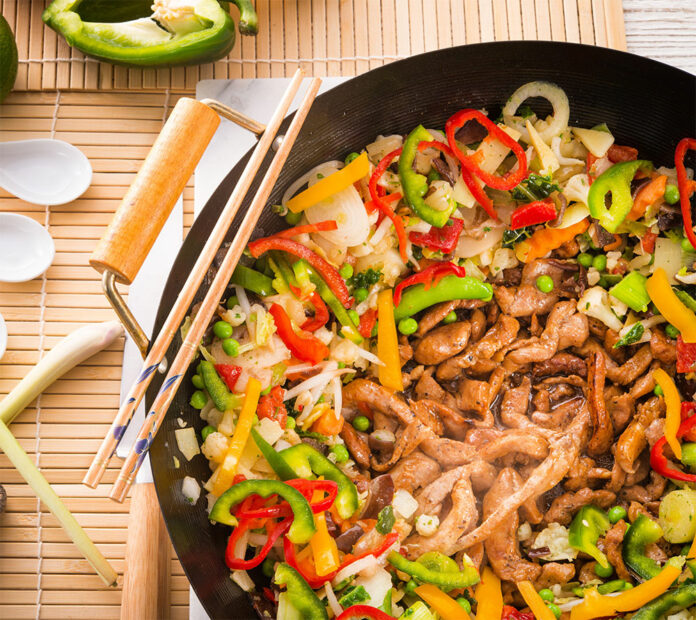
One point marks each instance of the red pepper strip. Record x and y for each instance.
(229, 374)
(648, 241)
(283, 508)
(436, 144)
(536, 212)
(686, 356)
(383, 206)
(370, 206)
(428, 277)
(685, 186)
(510, 613)
(367, 322)
(357, 612)
(268, 593)
(332, 278)
(687, 410)
(308, 349)
(308, 228)
(479, 195)
(507, 181)
(444, 238)
(321, 314)
(658, 460)
(274, 532)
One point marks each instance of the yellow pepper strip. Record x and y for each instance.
(489, 596)
(596, 605)
(446, 607)
(387, 343)
(330, 185)
(670, 306)
(228, 469)
(673, 403)
(535, 602)
(322, 543)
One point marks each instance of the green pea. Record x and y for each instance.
(222, 329)
(373, 333)
(450, 318)
(361, 294)
(198, 399)
(206, 431)
(231, 347)
(351, 157)
(545, 284)
(411, 586)
(197, 381)
(290, 423)
(555, 609)
(293, 218)
(361, 423)
(464, 603)
(585, 259)
(340, 452)
(232, 301)
(602, 572)
(268, 567)
(599, 262)
(547, 595)
(346, 271)
(354, 316)
(408, 326)
(672, 194)
(658, 391)
(672, 332)
(617, 513)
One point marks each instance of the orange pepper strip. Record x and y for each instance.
(647, 195)
(387, 343)
(489, 596)
(535, 602)
(673, 404)
(329, 423)
(546, 239)
(446, 607)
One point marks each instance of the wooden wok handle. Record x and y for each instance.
(155, 189)
(146, 574)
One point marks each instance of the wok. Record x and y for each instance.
(646, 104)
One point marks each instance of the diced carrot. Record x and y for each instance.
(329, 423)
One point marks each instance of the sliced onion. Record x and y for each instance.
(325, 168)
(469, 246)
(348, 211)
(337, 395)
(554, 94)
(382, 146)
(369, 561)
(332, 600)
(573, 214)
(562, 159)
(320, 380)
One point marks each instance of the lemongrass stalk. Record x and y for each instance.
(68, 353)
(24, 465)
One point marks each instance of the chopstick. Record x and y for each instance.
(193, 282)
(154, 419)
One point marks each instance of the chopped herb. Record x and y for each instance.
(511, 237)
(632, 336)
(486, 229)
(525, 111)
(354, 596)
(365, 279)
(385, 520)
(535, 187)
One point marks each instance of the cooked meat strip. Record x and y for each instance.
(502, 546)
(541, 401)
(645, 384)
(513, 409)
(559, 415)
(377, 398)
(602, 426)
(662, 348)
(473, 395)
(405, 352)
(407, 440)
(442, 343)
(357, 445)
(455, 424)
(564, 507)
(428, 388)
(620, 407)
(574, 333)
(610, 339)
(427, 412)
(612, 547)
(617, 480)
(553, 573)
(436, 313)
(645, 494)
(643, 469)
(655, 430)
(496, 338)
(383, 422)
(560, 364)
(633, 440)
(585, 473)
(543, 348)
(635, 509)
(632, 369)
(414, 471)
(478, 325)
(527, 299)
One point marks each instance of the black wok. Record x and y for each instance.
(646, 104)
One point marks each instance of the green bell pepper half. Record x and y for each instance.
(129, 33)
(300, 594)
(415, 185)
(588, 525)
(302, 528)
(671, 601)
(643, 531)
(434, 568)
(307, 462)
(416, 298)
(252, 280)
(223, 399)
(616, 180)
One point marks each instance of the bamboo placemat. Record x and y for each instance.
(346, 37)
(41, 573)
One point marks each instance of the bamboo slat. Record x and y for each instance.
(41, 574)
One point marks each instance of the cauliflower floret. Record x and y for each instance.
(426, 525)
(595, 303)
(235, 316)
(214, 447)
(343, 350)
(555, 537)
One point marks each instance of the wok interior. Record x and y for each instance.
(646, 104)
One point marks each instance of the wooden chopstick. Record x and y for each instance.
(154, 419)
(193, 282)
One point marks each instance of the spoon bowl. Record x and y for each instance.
(26, 248)
(46, 172)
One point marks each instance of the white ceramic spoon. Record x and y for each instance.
(26, 248)
(45, 172)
